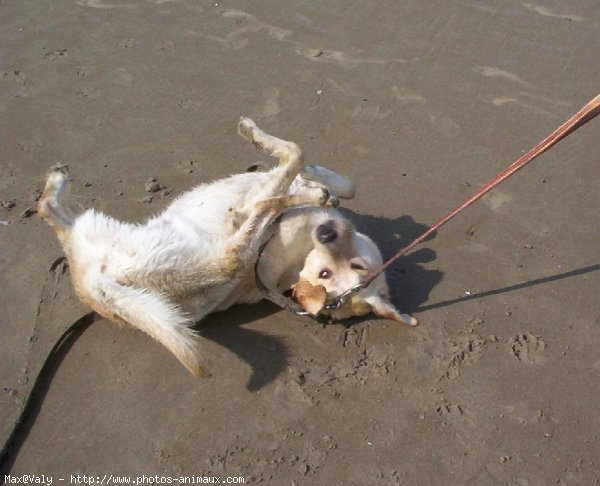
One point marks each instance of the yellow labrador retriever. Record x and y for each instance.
(199, 255)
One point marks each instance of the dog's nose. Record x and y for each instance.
(326, 232)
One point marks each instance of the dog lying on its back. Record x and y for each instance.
(199, 255)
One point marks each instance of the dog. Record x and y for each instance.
(200, 254)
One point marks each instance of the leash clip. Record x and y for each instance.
(343, 297)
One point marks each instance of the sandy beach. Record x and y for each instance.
(420, 103)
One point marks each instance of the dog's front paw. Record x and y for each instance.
(328, 199)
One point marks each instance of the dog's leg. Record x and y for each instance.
(288, 153)
(53, 206)
(317, 176)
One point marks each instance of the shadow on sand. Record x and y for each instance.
(268, 355)
(410, 285)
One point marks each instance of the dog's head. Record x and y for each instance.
(341, 259)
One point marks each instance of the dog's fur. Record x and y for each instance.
(199, 255)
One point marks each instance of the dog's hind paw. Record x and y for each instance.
(245, 128)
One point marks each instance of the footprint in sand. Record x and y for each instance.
(527, 348)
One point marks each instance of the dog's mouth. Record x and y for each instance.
(312, 297)
(316, 302)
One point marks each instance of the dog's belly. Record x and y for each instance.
(212, 208)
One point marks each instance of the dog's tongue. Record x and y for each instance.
(311, 297)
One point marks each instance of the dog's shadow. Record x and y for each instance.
(268, 356)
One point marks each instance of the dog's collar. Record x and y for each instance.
(286, 302)
(271, 295)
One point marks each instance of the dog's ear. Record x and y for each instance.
(311, 297)
(385, 309)
(359, 264)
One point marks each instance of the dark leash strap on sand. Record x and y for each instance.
(38, 391)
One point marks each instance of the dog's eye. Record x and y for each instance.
(325, 273)
(357, 266)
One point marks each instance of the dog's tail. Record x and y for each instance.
(54, 206)
(148, 311)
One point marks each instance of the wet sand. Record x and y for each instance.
(420, 103)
